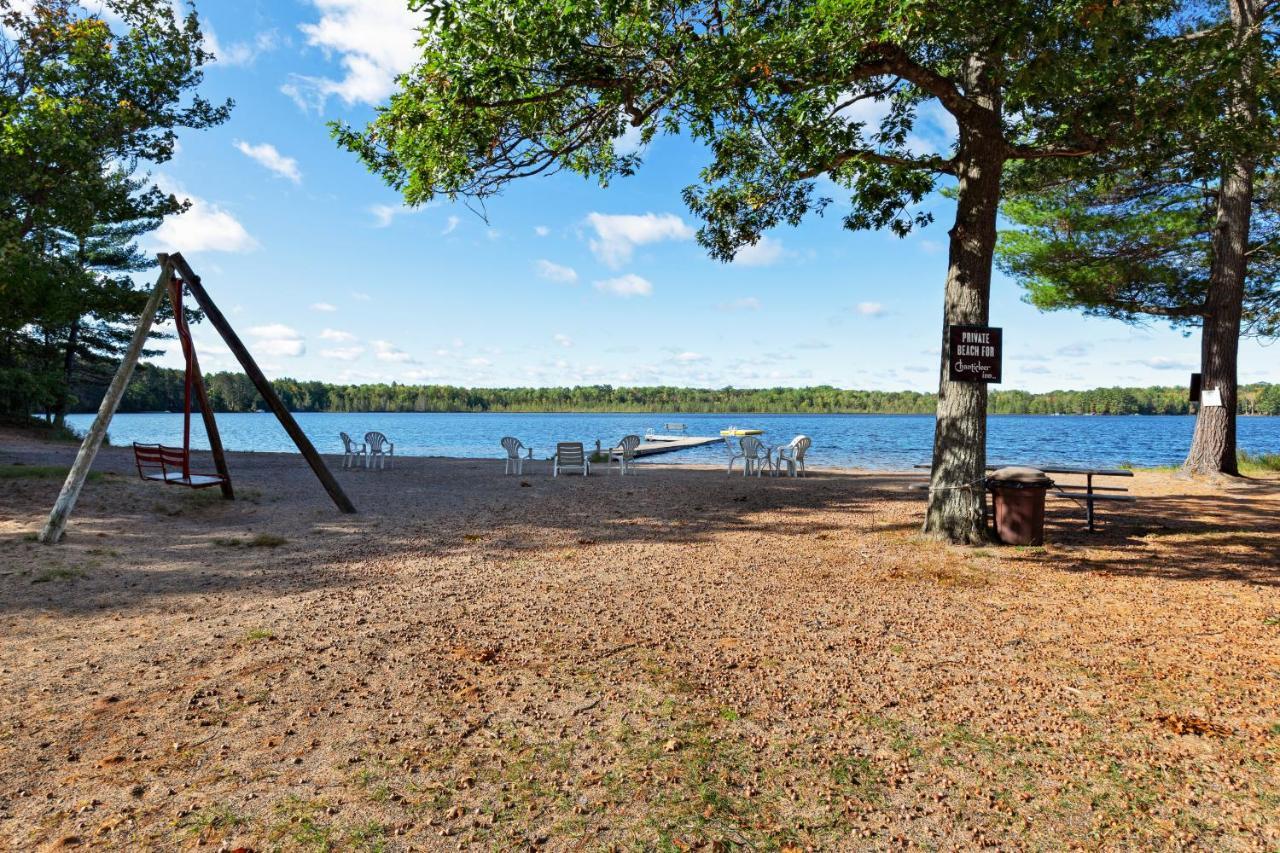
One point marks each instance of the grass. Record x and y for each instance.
(1258, 462)
(262, 540)
(40, 472)
(60, 574)
(45, 431)
(298, 821)
(1249, 463)
(857, 776)
(210, 819)
(1168, 469)
(258, 634)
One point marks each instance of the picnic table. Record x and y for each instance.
(1087, 493)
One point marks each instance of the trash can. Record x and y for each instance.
(1018, 495)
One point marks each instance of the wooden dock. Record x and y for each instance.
(652, 445)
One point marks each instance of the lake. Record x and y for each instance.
(893, 442)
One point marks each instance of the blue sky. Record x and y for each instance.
(327, 276)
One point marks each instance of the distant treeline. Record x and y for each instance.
(160, 389)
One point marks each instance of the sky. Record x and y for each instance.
(326, 275)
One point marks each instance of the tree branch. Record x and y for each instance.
(933, 164)
(1031, 152)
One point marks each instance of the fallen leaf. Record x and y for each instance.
(1190, 724)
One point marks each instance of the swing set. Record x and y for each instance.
(172, 465)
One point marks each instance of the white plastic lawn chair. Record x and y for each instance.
(792, 455)
(352, 453)
(380, 449)
(515, 462)
(624, 453)
(569, 454)
(754, 455)
(734, 456)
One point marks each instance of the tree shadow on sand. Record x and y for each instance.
(1229, 536)
(128, 548)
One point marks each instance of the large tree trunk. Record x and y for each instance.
(957, 498)
(1213, 447)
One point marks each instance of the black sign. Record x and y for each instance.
(1195, 388)
(975, 354)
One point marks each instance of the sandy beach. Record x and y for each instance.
(675, 660)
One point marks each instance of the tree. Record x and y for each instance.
(508, 89)
(91, 308)
(1182, 224)
(83, 104)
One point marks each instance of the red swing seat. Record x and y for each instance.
(163, 464)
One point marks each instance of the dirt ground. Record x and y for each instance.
(676, 660)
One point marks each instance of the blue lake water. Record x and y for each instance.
(894, 442)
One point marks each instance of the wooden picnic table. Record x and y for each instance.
(1090, 493)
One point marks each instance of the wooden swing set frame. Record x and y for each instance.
(174, 267)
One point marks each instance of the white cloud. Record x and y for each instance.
(617, 235)
(450, 225)
(375, 40)
(337, 336)
(541, 230)
(628, 142)
(361, 297)
(240, 52)
(555, 272)
(626, 286)
(867, 112)
(870, 309)
(563, 340)
(1161, 362)
(323, 306)
(746, 303)
(277, 340)
(343, 353)
(766, 251)
(205, 227)
(690, 357)
(935, 131)
(269, 158)
(478, 361)
(385, 214)
(386, 351)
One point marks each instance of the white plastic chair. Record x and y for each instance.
(514, 460)
(624, 453)
(792, 455)
(569, 454)
(754, 455)
(352, 453)
(734, 456)
(379, 448)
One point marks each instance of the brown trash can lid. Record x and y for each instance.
(1018, 476)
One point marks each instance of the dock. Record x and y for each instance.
(651, 445)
